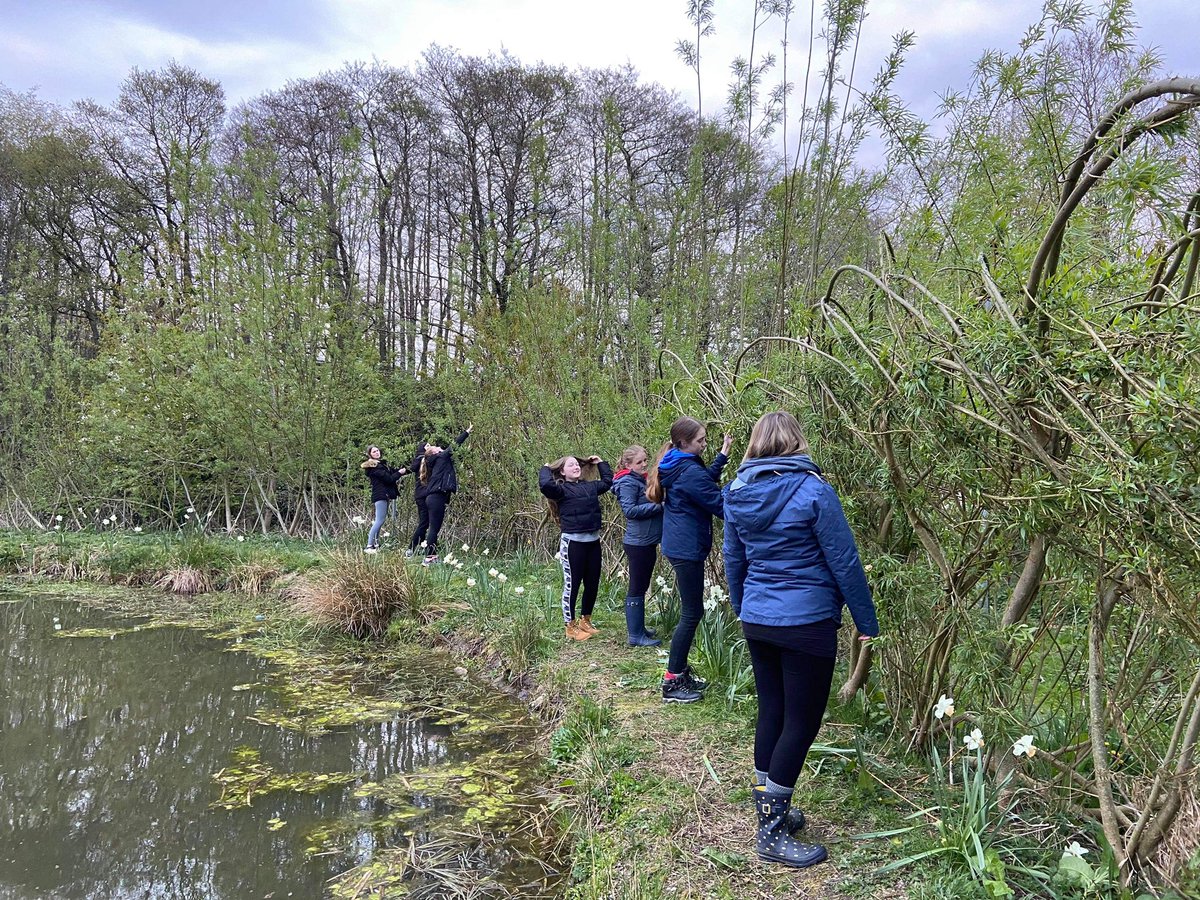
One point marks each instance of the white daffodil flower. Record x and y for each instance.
(470, 582)
(502, 578)
(493, 572)
(944, 707)
(1075, 849)
(974, 740)
(1024, 745)
(518, 590)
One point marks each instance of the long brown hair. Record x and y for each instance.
(683, 430)
(587, 472)
(776, 434)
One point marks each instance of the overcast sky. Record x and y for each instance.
(68, 51)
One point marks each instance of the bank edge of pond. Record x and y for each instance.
(655, 799)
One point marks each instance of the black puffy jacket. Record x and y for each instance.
(441, 477)
(383, 479)
(578, 501)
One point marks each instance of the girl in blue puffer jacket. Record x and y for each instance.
(690, 493)
(791, 563)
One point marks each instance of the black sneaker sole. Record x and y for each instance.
(682, 699)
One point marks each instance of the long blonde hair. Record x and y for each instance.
(683, 430)
(628, 455)
(776, 434)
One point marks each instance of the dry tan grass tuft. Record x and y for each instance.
(185, 580)
(253, 578)
(358, 594)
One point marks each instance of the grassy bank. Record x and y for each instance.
(653, 799)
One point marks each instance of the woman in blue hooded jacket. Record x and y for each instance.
(690, 493)
(791, 563)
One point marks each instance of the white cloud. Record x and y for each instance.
(76, 51)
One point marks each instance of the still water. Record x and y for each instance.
(109, 745)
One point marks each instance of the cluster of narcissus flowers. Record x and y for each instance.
(716, 596)
(1022, 746)
(944, 709)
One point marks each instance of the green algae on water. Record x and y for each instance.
(250, 777)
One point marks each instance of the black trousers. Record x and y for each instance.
(437, 503)
(431, 513)
(422, 525)
(793, 690)
(641, 567)
(689, 578)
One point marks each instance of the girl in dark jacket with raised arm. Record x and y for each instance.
(437, 482)
(575, 505)
(691, 495)
(383, 480)
(643, 532)
(791, 563)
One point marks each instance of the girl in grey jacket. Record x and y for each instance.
(643, 533)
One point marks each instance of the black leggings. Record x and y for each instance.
(422, 525)
(431, 510)
(641, 567)
(689, 578)
(793, 690)
(581, 566)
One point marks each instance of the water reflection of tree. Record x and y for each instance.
(106, 755)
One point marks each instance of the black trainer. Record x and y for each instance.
(773, 842)
(678, 690)
(696, 683)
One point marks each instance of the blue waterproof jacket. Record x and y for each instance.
(643, 519)
(693, 497)
(790, 558)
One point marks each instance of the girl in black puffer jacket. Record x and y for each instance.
(575, 505)
(383, 480)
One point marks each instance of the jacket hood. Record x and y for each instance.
(764, 486)
(674, 462)
(624, 472)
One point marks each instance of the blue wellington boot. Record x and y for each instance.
(774, 843)
(635, 623)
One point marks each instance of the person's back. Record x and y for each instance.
(797, 561)
(791, 561)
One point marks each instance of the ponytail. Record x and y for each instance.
(655, 492)
(424, 470)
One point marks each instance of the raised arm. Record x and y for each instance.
(702, 489)
(548, 486)
(606, 476)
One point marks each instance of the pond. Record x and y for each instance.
(142, 759)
